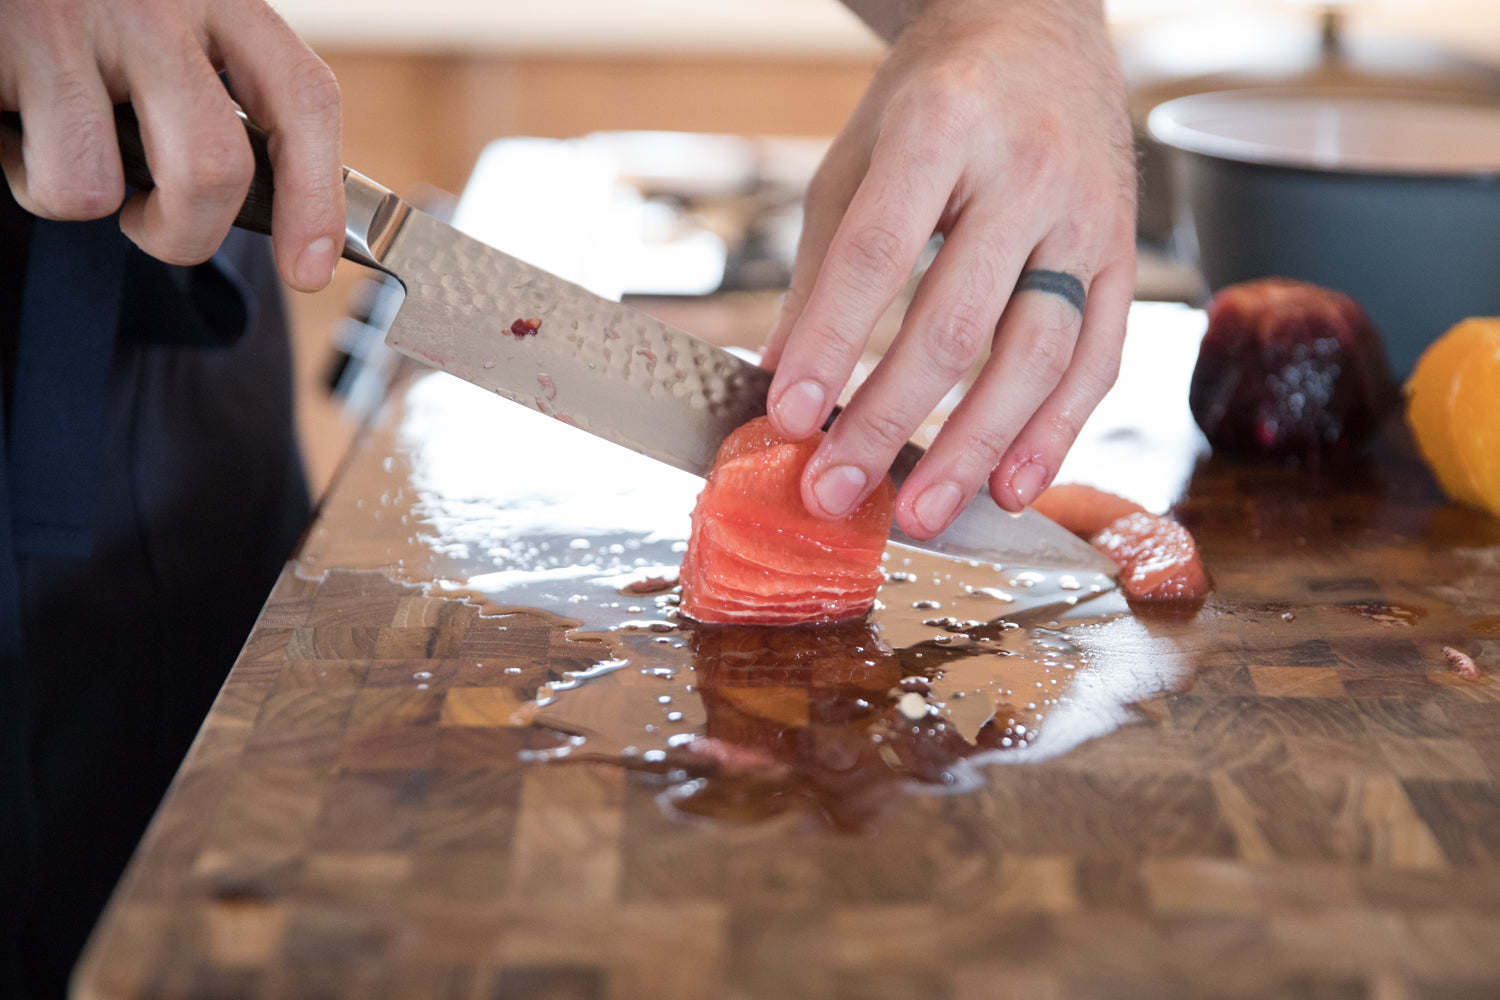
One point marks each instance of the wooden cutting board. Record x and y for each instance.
(1301, 799)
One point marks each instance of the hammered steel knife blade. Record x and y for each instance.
(603, 367)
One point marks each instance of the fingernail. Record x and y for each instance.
(315, 265)
(838, 489)
(937, 505)
(800, 408)
(1027, 481)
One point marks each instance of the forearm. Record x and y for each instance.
(887, 18)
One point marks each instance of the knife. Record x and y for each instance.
(603, 367)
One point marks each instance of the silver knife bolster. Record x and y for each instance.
(373, 216)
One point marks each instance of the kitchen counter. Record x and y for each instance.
(428, 774)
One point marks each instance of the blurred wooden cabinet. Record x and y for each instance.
(423, 118)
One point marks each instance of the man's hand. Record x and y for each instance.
(1001, 126)
(65, 63)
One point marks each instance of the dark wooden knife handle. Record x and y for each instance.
(254, 214)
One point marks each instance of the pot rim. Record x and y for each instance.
(1333, 131)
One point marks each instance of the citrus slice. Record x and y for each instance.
(1158, 558)
(757, 556)
(1453, 409)
(1083, 510)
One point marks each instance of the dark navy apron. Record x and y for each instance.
(150, 492)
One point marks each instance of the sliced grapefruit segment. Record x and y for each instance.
(1158, 558)
(757, 556)
(1083, 510)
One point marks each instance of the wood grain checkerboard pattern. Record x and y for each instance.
(1316, 815)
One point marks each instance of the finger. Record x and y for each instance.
(196, 148)
(889, 220)
(67, 165)
(294, 96)
(947, 328)
(1034, 352)
(824, 204)
(1034, 457)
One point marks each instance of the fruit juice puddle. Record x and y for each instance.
(959, 665)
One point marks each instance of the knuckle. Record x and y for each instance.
(80, 180)
(1093, 377)
(73, 197)
(1080, 227)
(832, 347)
(217, 167)
(178, 254)
(876, 256)
(1050, 363)
(983, 447)
(158, 19)
(73, 95)
(316, 89)
(884, 429)
(985, 451)
(220, 169)
(962, 341)
(1058, 431)
(1046, 360)
(85, 199)
(950, 101)
(1043, 150)
(1097, 375)
(978, 450)
(1049, 132)
(172, 243)
(82, 188)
